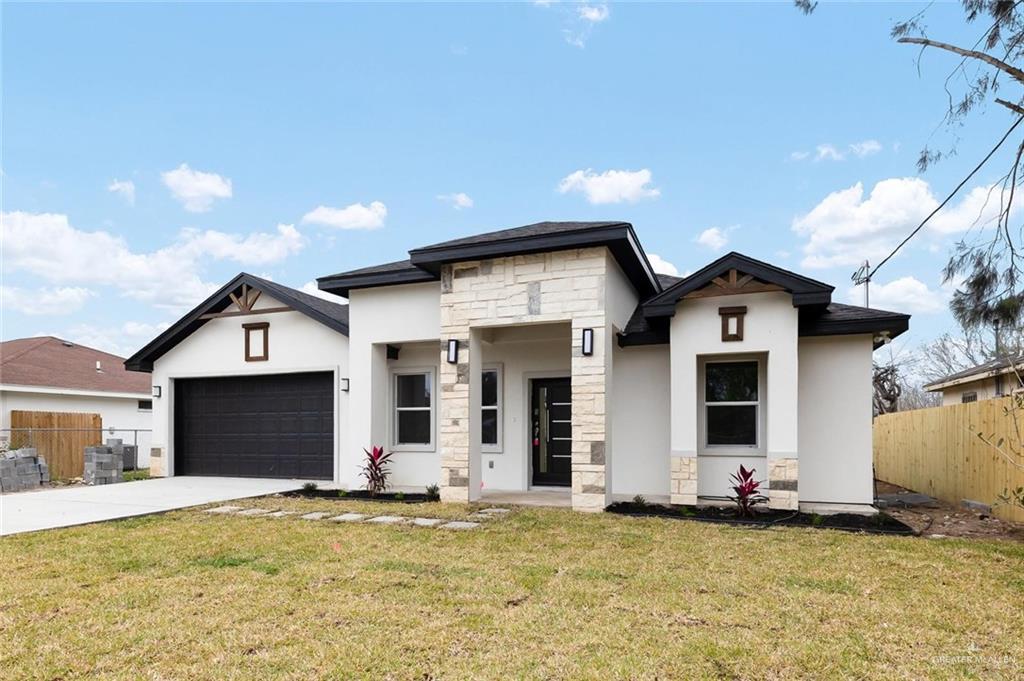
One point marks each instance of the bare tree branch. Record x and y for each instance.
(1017, 108)
(1012, 71)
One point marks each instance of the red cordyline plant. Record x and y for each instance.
(376, 470)
(746, 488)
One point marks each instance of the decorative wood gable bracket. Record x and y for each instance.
(734, 283)
(244, 302)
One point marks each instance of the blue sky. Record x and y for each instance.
(151, 152)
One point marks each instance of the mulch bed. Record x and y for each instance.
(880, 523)
(361, 495)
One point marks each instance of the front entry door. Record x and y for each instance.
(551, 431)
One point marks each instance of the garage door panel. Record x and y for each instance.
(255, 426)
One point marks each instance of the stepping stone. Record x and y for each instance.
(480, 516)
(223, 509)
(387, 520)
(348, 517)
(494, 510)
(426, 522)
(459, 525)
(281, 514)
(319, 515)
(253, 511)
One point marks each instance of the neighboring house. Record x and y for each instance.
(997, 378)
(54, 375)
(545, 356)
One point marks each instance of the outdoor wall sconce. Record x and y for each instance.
(588, 342)
(156, 391)
(453, 351)
(344, 385)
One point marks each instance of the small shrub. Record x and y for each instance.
(639, 500)
(376, 470)
(817, 520)
(399, 496)
(309, 487)
(433, 493)
(342, 492)
(746, 488)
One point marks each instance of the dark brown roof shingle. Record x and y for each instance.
(54, 363)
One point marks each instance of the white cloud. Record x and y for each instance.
(194, 189)
(354, 216)
(311, 288)
(865, 148)
(458, 200)
(662, 266)
(125, 188)
(714, 238)
(846, 228)
(168, 277)
(592, 13)
(827, 152)
(258, 248)
(906, 294)
(611, 186)
(44, 301)
(799, 155)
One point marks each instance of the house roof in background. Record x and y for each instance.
(49, 362)
(539, 237)
(330, 314)
(995, 367)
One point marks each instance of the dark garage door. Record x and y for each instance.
(274, 426)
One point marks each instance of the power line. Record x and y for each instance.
(867, 279)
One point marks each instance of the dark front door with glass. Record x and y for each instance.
(551, 431)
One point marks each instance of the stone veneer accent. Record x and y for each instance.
(783, 476)
(563, 286)
(684, 481)
(157, 462)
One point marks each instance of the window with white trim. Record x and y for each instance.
(490, 409)
(413, 402)
(732, 400)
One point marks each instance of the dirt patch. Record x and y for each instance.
(938, 519)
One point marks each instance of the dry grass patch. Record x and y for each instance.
(542, 593)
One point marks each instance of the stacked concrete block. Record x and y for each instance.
(129, 453)
(103, 466)
(22, 469)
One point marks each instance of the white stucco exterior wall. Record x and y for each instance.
(771, 329)
(118, 410)
(377, 317)
(835, 420)
(640, 422)
(297, 343)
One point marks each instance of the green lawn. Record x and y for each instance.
(537, 594)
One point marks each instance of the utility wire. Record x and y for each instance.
(946, 200)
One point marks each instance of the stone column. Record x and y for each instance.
(591, 423)
(454, 422)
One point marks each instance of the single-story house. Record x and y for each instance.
(549, 356)
(997, 378)
(47, 374)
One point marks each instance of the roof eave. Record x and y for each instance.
(942, 384)
(619, 238)
(340, 285)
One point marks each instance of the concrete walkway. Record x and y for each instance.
(66, 506)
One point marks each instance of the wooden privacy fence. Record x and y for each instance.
(938, 452)
(59, 437)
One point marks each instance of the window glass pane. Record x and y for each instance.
(489, 426)
(732, 425)
(730, 382)
(413, 390)
(490, 389)
(413, 427)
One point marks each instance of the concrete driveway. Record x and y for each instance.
(66, 506)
